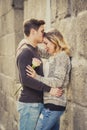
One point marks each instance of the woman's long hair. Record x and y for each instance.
(57, 39)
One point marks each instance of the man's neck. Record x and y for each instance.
(31, 42)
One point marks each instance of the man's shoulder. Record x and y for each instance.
(23, 53)
(23, 49)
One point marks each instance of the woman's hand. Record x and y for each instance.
(56, 92)
(30, 71)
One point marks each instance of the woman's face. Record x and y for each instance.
(50, 47)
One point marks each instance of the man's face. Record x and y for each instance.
(39, 34)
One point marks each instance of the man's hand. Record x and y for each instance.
(30, 71)
(56, 92)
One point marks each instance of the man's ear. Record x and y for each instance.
(33, 31)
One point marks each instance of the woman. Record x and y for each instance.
(56, 74)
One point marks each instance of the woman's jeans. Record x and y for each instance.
(49, 120)
(28, 115)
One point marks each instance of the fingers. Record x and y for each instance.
(59, 92)
(29, 68)
(30, 71)
(56, 92)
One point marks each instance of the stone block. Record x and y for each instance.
(5, 6)
(81, 27)
(10, 22)
(8, 115)
(3, 26)
(78, 6)
(2, 127)
(0, 29)
(8, 45)
(79, 81)
(8, 86)
(63, 8)
(18, 37)
(6, 24)
(66, 122)
(18, 4)
(54, 10)
(1, 63)
(6, 19)
(68, 28)
(32, 11)
(8, 67)
(2, 7)
(18, 21)
(79, 118)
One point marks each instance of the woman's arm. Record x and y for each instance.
(60, 69)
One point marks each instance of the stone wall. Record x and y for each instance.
(70, 17)
(11, 19)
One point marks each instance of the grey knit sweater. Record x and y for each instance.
(58, 76)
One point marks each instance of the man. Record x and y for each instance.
(31, 98)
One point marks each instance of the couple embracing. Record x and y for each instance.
(43, 97)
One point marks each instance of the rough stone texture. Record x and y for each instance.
(79, 112)
(34, 9)
(70, 17)
(11, 20)
(68, 28)
(78, 6)
(79, 86)
(82, 34)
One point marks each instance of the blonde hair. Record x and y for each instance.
(57, 39)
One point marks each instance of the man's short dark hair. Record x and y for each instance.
(32, 23)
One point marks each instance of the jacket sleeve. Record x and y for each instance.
(24, 59)
(60, 70)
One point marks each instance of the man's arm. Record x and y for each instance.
(24, 59)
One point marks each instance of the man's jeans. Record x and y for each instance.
(49, 120)
(28, 115)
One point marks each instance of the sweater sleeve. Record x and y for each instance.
(43, 53)
(24, 59)
(60, 69)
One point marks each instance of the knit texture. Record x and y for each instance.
(58, 76)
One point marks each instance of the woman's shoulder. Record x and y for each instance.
(62, 54)
(62, 58)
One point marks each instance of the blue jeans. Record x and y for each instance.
(49, 120)
(28, 115)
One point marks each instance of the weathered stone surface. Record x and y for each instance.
(18, 21)
(54, 10)
(79, 81)
(79, 118)
(10, 32)
(7, 45)
(60, 10)
(67, 118)
(82, 34)
(18, 4)
(78, 6)
(68, 28)
(32, 11)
